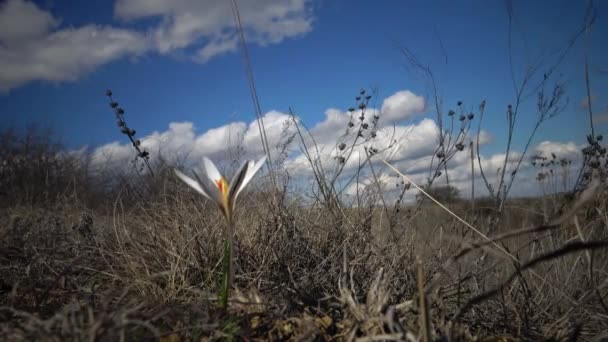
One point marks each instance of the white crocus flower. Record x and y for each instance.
(215, 187)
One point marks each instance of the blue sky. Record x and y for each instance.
(170, 62)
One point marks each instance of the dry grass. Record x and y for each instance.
(150, 269)
(141, 260)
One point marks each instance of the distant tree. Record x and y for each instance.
(442, 193)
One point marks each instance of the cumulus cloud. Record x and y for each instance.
(34, 46)
(209, 25)
(21, 20)
(568, 150)
(407, 146)
(402, 105)
(181, 143)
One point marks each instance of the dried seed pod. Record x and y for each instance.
(113, 104)
(470, 116)
(451, 113)
(351, 109)
(108, 92)
(362, 106)
(365, 125)
(342, 146)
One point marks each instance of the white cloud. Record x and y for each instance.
(221, 138)
(569, 150)
(402, 105)
(30, 49)
(20, 20)
(34, 46)
(408, 147)
(209, 25)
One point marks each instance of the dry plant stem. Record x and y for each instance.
(500, 248)
(424, 314)
(587, 87)
(252, 89)
(472, 177)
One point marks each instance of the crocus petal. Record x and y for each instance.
(210, 187)
(252, 169)
(191, 182)
(211, 171)
(236, 182)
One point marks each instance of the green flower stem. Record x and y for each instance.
(227, 266)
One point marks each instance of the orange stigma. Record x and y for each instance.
(222, 184)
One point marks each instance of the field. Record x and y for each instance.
(93, 257)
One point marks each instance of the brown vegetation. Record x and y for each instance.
(83, 258)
